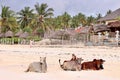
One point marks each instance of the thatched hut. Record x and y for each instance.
(18, 33)
(83, 33)
(100, 28)
(24, 35)
(114, 26)
(9, 34)
(54, 34)
(2, 35)
(59, 34)
(83, 30)
(112, 17)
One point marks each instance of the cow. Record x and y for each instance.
(71, 65)
(96, 64)
(40, 67)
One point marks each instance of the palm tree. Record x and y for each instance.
(108, 12)
(99, 16)
(82, 19)
(8, 20)
(78, 20)
(65, 20)
(25, 17)
(43, 12)
(90, 20)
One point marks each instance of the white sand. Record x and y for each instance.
(14, 60)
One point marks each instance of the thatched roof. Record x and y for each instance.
(24, 35)
(18, 33)
(112, 16)
(1, 35)
(9, 34)
(114, 24)
(83, 30)
(70, 31)
(57, 34)
(100, 28)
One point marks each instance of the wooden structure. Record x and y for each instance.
(112, 17)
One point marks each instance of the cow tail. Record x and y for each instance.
(27, 70)
(60, 64)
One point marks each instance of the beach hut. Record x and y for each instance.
(114, 26)
(24, 35)
(18, 33)
(100, 28)
(112, 17)
(2, 35)
(61, 33)
(83, 30)
(9, 34)
(83, 33)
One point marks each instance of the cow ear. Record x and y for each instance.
(102, 60)
(94, 59)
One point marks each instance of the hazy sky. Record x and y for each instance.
(73, 7)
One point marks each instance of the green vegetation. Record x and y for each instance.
(41, 19)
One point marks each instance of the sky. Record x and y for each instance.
(73, 7)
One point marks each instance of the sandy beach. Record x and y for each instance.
(14, 60)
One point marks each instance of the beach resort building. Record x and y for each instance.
(112, 20)
(112, 17)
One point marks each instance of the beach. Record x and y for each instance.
(14, 60)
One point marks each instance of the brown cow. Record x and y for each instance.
(96, 64)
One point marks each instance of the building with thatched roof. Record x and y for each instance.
(114, 26)
(60, 33)
(100, 28)
(24, 35)
(2, 35)
(112, 17)
(18, 33)
(84, 30)
(9, 34)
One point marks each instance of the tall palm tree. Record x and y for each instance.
(79, 19)
(57, 23)
(8, 20)
(99, 16)
(43, 12)
(25, 17)
(90, 20)
(108, 12)
(65, 20)
(82, 19)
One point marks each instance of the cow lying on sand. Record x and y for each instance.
(96, 64)
(38, 66)
(71, 65)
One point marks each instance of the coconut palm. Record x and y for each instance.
(108, 12)
(57, 22)
(8, 20)
(25, 17)
(90, 20)
(66, 20)
(79, 20)
(43, 12)
(99, 16)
